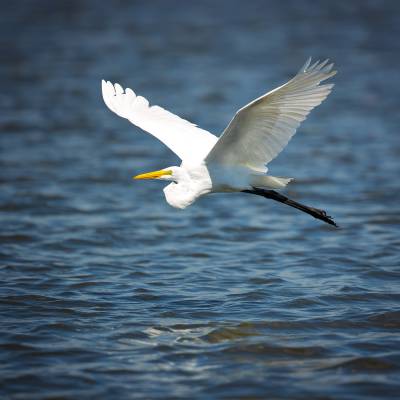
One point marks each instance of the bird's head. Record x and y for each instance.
(184, 188)
(167, 174)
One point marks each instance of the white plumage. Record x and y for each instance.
(237, 160)
(185, 139)
(260, 130)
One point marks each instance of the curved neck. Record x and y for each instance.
(191, 183)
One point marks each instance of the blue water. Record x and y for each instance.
(107, 292)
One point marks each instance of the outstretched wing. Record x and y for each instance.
(185, 139)
(260, 130)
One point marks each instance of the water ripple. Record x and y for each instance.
(107, 292)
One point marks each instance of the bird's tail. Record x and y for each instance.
(315, 212)
(269, 182)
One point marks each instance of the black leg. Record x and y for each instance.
(271, 194)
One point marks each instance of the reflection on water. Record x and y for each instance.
(108, 292)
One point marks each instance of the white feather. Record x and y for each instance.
(185, 139)
(260, 130)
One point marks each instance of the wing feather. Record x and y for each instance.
(185, 139)
(260, 130)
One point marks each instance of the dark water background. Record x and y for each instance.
(107, 292)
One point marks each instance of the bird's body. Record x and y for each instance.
(236, 161)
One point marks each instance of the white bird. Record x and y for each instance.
(236, 161)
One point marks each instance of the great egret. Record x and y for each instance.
(236, 161)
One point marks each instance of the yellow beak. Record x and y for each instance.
(153, 174)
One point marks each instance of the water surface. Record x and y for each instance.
(107, 292)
